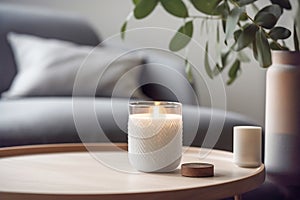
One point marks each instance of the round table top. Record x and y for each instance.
(69, 171)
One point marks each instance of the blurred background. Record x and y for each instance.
(246, 95)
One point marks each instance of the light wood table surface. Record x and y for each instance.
(69, 171)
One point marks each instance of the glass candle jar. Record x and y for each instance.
(155, 136)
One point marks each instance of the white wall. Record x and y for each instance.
(246, 95)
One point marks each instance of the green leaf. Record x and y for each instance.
(135, 2)
(274, 46)
(268, 16)
(223, 9)
(277, 46)
(206, 63)
(224, 58)
(217, 70)
(233, 72)
(175, 7)
(243, 17)
(296, 39)
(144, 8)
(272, 9)
(283, 3)
(263, 49)
(188, 71)
(237, 34)
(206, 6)
(254, 49)
(246, 37)
(245, 2)
(218, 34)
(182, 37)
(279, 32)
(123, 30)
(232, 20)
(224, 27)
(265, 19)
(218, 44)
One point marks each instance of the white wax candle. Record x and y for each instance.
(247, 146)
(155, 141)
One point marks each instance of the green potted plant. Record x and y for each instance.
(241, 30)
(244, 25)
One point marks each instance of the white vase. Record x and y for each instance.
(282, 130)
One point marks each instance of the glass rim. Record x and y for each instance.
(143, 104)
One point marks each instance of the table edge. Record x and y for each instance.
(60, 148)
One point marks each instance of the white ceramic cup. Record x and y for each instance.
(155, 136)
(247, 146)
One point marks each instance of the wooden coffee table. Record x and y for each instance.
(69, 171)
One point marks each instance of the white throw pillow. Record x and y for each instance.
(49, 67)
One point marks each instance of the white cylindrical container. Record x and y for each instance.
(282, 135)
(155, 136)
(247, 146)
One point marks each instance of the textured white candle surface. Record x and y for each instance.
(155, 142)
(247, 146)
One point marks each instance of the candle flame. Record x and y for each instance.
(156, 103)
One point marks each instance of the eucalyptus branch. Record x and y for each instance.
(259, 26)
(266, 33)
(258, 30)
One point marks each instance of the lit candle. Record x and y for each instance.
(155, 136)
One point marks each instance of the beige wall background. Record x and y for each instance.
(245, 96)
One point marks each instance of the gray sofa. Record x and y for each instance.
(51, 119)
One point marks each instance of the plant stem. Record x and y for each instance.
(204, 17)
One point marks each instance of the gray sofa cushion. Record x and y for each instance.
(43, 23)
(51, 67)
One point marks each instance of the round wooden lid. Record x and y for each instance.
(197, 170)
